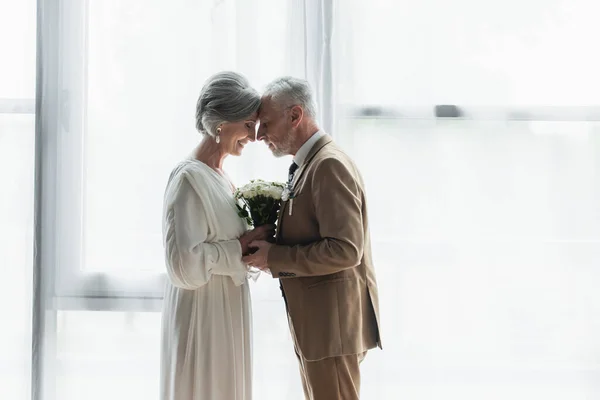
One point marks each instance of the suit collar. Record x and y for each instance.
(305, 149)
(322, 142)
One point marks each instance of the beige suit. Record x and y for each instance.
(323, 260)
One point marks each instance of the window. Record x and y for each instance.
(475, 126)
(484, 210)
(17, 142)
(127, 80)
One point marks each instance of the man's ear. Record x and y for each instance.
(296, 113)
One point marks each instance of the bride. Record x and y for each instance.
(206, 322)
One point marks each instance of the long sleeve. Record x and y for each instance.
(340, 226)
(190, 259)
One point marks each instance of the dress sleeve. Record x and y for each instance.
(190, 259)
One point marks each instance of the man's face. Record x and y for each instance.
(275, 127)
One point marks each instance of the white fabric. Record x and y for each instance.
(314, 34)
(206, 329)
(303, 151)
(485, 232)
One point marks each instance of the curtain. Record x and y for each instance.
(17, 161)
(475, 127)
(117, 89)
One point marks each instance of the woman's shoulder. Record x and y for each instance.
(187, 176)
(188, 169)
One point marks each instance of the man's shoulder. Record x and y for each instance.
(332, 161)
(332, 155)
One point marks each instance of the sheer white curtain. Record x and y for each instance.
(17, 138)
(486, 227)
(118, 86)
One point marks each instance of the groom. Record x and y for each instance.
(322, 254)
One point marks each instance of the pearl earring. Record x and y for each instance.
(218, 138)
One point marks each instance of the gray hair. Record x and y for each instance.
(289, 91)
(225, 97)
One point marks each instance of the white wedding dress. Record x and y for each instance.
(206, 349)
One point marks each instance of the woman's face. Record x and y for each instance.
(235, 135)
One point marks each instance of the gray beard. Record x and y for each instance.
(284, 150)
(278, 153)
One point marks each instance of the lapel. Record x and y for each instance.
(325, 140)
(311, 154)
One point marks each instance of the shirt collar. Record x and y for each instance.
(302, 153)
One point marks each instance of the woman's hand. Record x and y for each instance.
(263, 232)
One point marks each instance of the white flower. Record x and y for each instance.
(259, 187)
(259, 210)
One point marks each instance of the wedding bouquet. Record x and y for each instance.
(260, 202)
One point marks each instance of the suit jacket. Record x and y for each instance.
(322, 257)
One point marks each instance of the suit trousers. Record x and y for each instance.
(332, 378)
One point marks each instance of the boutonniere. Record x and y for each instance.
(287, 194)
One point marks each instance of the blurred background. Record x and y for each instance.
(476, 125)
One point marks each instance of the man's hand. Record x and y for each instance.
(262, 232)
(259, 259)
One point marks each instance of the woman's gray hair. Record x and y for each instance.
(225, 97)
(288, 91)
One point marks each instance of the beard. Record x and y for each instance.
(278, 153)
(284, 148)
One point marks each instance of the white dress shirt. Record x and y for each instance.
(302, 153)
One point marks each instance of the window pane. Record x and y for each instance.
(17, 41)
(116, 355)
(538, 52)
(475, 179)
(107, 354)
(486, 247)
(143, 83)
(16, 244)
(17, 149)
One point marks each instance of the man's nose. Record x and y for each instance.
(260, 133)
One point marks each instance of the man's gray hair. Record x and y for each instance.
(225, 97)
(288, 91)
